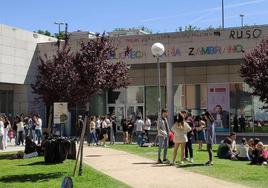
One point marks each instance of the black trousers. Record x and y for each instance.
(189, 147)
(210, 152)
(147, 135)
(20, 138)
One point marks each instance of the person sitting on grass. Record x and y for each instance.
(251, 147)
(259, 155)
(243, 151)
(224, 150)
(30, 148)
(233, 144)
(40, 148)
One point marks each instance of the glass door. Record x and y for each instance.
(135, 110)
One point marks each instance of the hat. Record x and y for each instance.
(80, 116)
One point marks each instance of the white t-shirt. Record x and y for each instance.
(108, 122)
(98, 123)
(39, 124)
(180, 133)
(1, 128)
(139, 125)
(242, 150)
(20, 126)
(147, 125)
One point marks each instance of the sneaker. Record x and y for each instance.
(191, 160)
(209, 163)
(181, 163)
(166, 161)
(172, 163)
(159, 161)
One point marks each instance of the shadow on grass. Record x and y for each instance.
(190, 165)
(38, 163)
(6, 156)
(39, 177)
(204, 150)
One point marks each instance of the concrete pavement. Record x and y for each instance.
(140, 172)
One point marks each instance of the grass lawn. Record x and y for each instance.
(34, 173)
(233, 171)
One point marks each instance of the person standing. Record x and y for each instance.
(38, 128)
(20, 130)
(113, 130)
(242, 123)
(109, 126)
(180, 129)
(1, 132)
(130, 129)
(7, 127)
(147, 128)
(189, 146)
(163, 136)
(210, 136)
(104, 131)
(92, 131)
(235, 123)
(125, 130)
(98, 127)
(139, 131)
(79, 127)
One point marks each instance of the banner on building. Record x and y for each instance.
(219, 105)
(60, 112)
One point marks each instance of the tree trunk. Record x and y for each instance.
(50, 127)
(80, 150)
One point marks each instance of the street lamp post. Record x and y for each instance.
(158, 50)
(222, 14)
(59, 23)
(242, 19)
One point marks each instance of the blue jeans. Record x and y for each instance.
(38, 133)
(92, 135)
(162, 142)
(139, 137)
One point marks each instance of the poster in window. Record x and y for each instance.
(219, 105)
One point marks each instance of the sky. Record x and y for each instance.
(106, 15)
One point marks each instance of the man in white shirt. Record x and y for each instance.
(233, 145)
(147, 128)
(163, 136)
(38, 127)
(1, 132)
(139, 130)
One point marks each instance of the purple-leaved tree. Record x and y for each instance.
(254, 70)
(74, 77)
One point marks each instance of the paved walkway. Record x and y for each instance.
(11, 147)
(141, 172)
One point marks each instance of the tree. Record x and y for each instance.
(57, 78)
(75, 77)
(60, 36)
(46, 32)
(191, 28)
(254, 70)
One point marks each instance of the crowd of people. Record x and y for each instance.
(101, 129)
(186, 127)
(248, 150)
(182, 133)
(19, 129)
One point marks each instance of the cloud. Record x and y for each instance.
(209, 11)
(233, 17)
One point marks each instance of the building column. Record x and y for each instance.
(170, 94)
